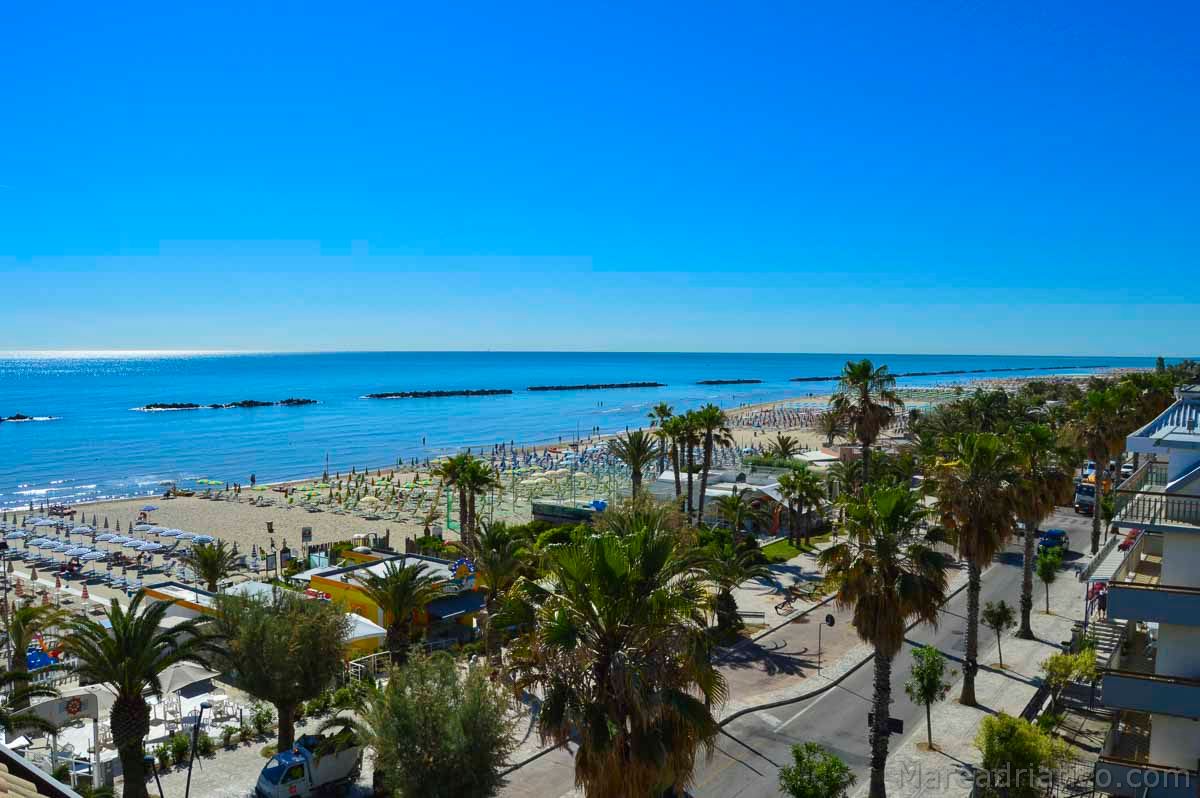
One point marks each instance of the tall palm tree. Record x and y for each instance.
(672, 432)
(636, 450)
(803, 490)
(784, 446)
(1043, 481)
(1098, 426)
(843, 477)
(888, 573)
(973, 483)
(658, 416)
(128, 656)
(476, 478)
(619, 651)
(400, 591)
(866, 398)
(689, 439)
(451, 472)
(17, 694)
(211, 562)
(501, 557)
(712, 427)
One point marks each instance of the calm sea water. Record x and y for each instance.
(98, 447)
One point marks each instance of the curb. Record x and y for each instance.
(805, 696)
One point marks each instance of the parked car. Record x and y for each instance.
(1127, 471)
(1055, 538)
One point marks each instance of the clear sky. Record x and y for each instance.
(906, 177)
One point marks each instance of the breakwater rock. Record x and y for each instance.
(16, 418)
(438, 394)
(729, 382)
(597, 387)
(154, 407)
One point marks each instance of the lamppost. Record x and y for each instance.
(149, 761)
(187, 790)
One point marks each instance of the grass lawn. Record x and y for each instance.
(782, 550)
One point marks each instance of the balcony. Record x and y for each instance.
(1150, 692)
(1142, 501)
(1124, 768)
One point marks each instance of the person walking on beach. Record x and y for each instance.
(252, 480)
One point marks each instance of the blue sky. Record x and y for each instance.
(922, 177)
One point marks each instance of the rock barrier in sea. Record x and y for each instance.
(728, 382)
(244, 403)
(438, 394)
(597, 387)
(16, 418)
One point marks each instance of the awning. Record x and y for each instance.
(453, 606)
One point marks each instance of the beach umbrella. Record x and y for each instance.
(60, 547)
(106, 522)
(170, 533)
(105, 537)
(119, 540)
(92, 556)
(140, 528)
(82, 530)
(18, 535)
(148, 547)
(57, 582)
(155, 530)
(186, 536)
(133, 543)
(45, 522)
(33, 574)
(204, 539)
(78, 551)
(149, 508)
(85, 592)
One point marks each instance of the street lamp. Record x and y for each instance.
(187, 790)
(149, 762)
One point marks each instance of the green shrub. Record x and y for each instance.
(246, 733)
(62, 773)
(227, 734)
(180, 744)
(263, 719)
(163, 755)
(205, 745)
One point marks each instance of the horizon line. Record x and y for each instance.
(117, 352)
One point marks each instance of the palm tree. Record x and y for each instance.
(619, 651)
(500, 559)
(889, 574)
(803, 490)
(973, 482)
(689, 439)
(866, 398)
(728, 565)
(1043, 481)
(17, 694)
(658, 416)
(830, 424)
(128, 656)
(451, 472)
(671, 433)
(211, 562)
(844, 476)
(476, 478)
(637, 451)
(784, 446)
(738, 511)
(22, 625)
(1098, 426)
(713, 429)
(400, 591)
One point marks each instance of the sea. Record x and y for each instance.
(95, 444)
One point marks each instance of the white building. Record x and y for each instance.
(1153, 682)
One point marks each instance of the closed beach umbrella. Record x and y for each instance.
(85, 592)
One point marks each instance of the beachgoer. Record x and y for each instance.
(1102, 603)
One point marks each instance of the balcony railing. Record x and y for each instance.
(1154, 508)
(1152, 474)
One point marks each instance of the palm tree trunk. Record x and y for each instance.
(662, 456)
(708, 444)
(1026, 631)
(971, 660)
(999, 648)
(635, 477)
(131, 723)
(929, 726)
(463, 516)
(675, 468)
(471, 505)
(866, 458)
(879, 730)
(1096, 513)
(287, 726)
(691, 463)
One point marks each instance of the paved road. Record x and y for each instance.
(837, 719)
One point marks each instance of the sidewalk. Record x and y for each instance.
(915, 772)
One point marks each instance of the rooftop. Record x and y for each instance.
(1179, 425)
